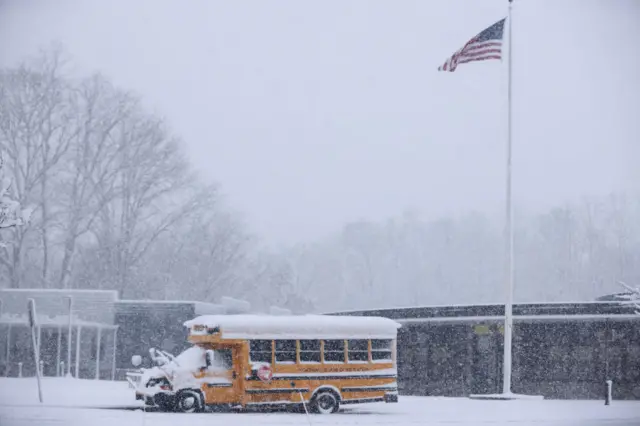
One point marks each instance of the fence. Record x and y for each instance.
(26, 369)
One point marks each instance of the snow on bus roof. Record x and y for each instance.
(298, 326)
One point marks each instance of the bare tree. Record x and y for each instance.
(361, 242)
(35, 131)
(201, 258)
(270, 280)
(225, 249)
(154, 190)
(620, 222)
(90, 182)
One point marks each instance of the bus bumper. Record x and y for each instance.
(390, 397)
(148, 400)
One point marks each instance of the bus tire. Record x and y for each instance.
(188, 401)
(325, 402)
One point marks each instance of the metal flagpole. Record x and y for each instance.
(509, 239)
(69, 335)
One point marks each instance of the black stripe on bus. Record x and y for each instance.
(330, 377)
(361, 400)
(278, 390)
(369, 389)
(344, 401)
(219, 385)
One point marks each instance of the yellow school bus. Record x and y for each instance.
(313, 362)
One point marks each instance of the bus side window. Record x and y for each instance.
(260, 351)
(310, 351)
(381, 350)
(358, 350)
(334, 351)
(286, 351)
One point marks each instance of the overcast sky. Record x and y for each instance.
(314, 113)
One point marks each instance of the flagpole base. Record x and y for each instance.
(506, 397)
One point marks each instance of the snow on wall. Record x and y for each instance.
(202, 308)
(298, 326)
(235, 306)
(274, 310)
(49, 320)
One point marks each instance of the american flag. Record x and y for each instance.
(486, 45)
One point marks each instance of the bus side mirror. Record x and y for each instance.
(136, 360)
(210, 358)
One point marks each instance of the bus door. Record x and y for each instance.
(222, 379)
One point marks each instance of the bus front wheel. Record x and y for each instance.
(325, 402)
(188, 401)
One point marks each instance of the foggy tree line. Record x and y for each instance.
(575, 252)
(116, 205)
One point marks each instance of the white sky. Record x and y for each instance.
(313, 113)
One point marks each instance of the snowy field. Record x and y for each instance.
(75, 402)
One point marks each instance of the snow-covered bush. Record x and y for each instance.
(11, 213)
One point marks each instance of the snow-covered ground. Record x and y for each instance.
(68, 402)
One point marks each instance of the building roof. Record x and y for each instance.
(522, 310)
(52, 321)
(92, 306)
(61, 291)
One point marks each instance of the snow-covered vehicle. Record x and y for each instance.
(167, 385)
(314, 362)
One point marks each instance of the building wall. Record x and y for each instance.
(89, 306)
(21, 351)
(434, 359)
(563, 359)
(573, 359)
(142, 326)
